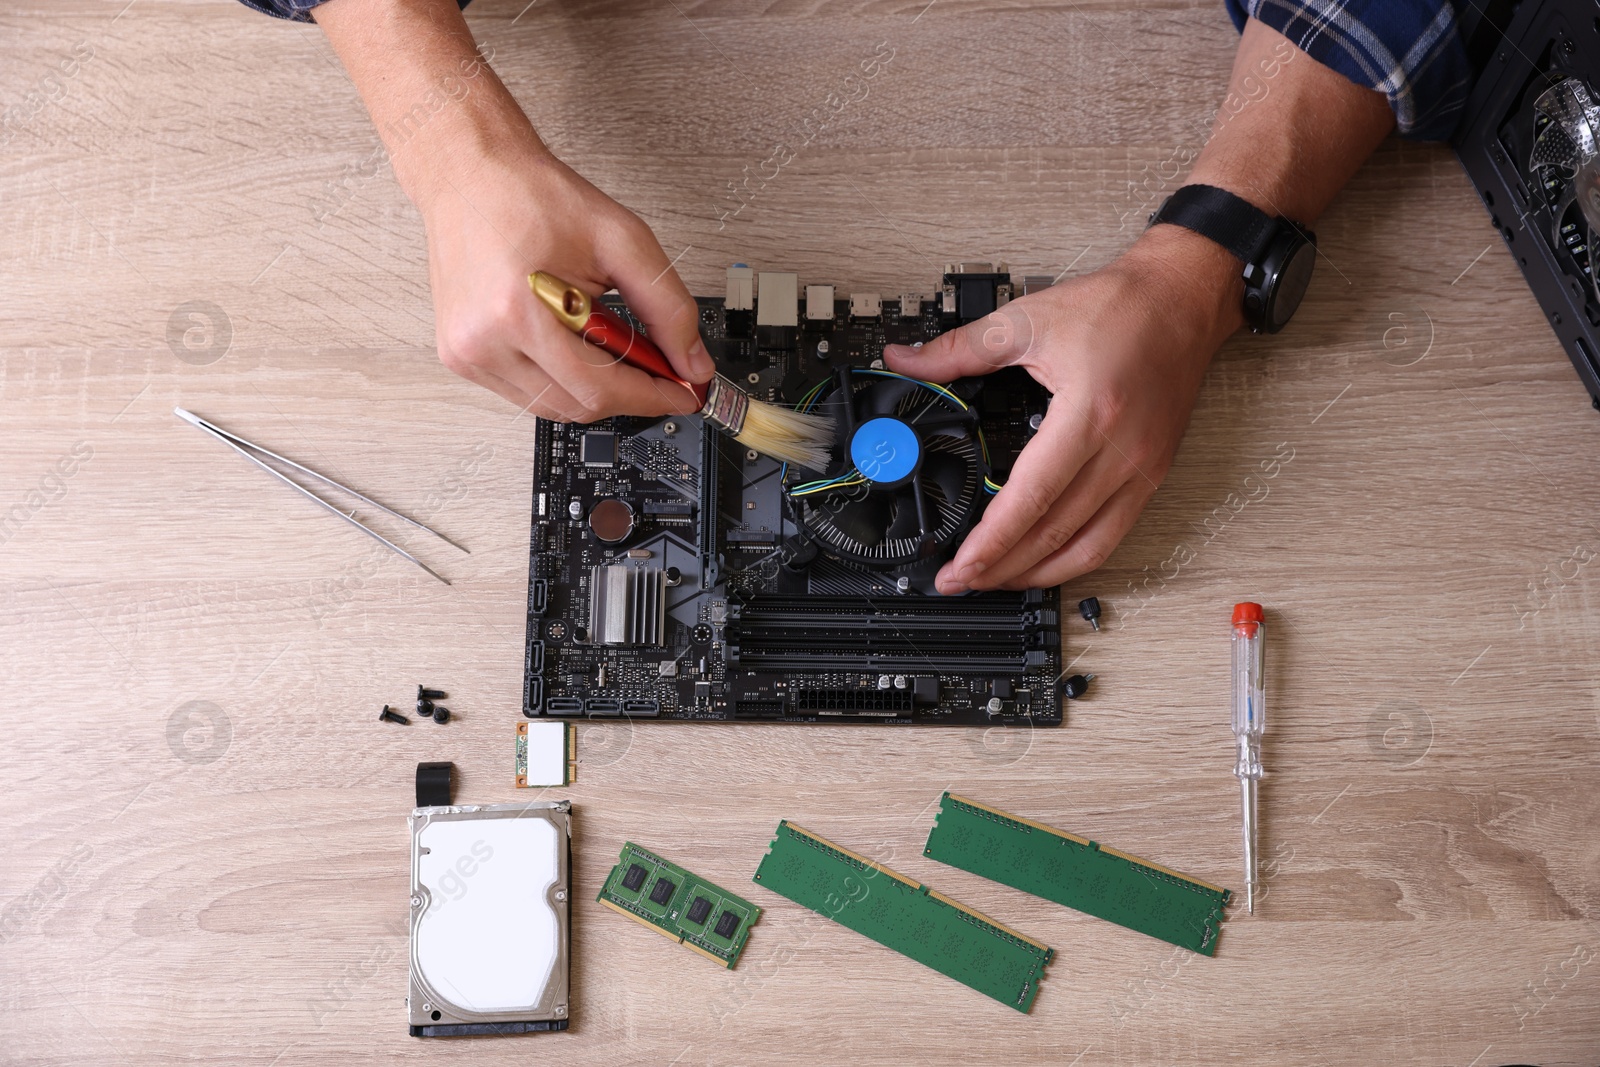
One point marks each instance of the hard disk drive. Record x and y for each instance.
(490, 919)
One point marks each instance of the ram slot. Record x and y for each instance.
(1006, 633)
(711, 493)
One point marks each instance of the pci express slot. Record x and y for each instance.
(846, 633)
(1077, 873)
(868, 703)
(898, 913)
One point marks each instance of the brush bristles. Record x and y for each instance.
(788, 435)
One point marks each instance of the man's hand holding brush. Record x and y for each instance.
(496, 202)
(1123, 350)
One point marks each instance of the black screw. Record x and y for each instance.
(441, 715)
(388, 714)
(430, 694)
(424, 707)
(1077, 685)
(1089, 608)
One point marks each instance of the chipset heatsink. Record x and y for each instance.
(490, 919)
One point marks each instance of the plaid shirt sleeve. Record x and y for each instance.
(295, 10)
(1409, 50)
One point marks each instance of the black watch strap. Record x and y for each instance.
(1231, 221)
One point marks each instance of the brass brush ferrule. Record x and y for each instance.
(726, 405)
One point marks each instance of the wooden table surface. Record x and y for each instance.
(206, 856)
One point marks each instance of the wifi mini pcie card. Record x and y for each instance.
(686, 908)
(546, 754)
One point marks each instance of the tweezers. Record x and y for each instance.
(248, 450)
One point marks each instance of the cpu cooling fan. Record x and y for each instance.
(911, 471)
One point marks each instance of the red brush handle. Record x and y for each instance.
(608, 331)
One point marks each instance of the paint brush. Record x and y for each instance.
(779, 432)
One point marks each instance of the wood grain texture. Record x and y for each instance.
(1406, 479)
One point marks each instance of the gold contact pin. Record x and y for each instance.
(708, 955)
(853, 855)
(647, 925)
(675, 939)
(1082, 841)
(981, 917)
(1164, 870)
(572, 753)
(1017, 818)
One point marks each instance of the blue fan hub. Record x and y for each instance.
(886, 451)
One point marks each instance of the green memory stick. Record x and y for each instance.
(686, 908)
(912, 919)
(1081, 874)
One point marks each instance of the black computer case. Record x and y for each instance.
(1519, 51)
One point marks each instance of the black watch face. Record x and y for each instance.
(1293, 279)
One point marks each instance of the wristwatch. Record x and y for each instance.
(1277, 254)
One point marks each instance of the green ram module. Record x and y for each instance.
(683, 906)
(1081, 874)
(912, 919)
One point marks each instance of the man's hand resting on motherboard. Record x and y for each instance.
(1123, 349)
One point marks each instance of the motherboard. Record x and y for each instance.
(676, 574)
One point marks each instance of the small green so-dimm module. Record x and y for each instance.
(912, 919)
(684, 907)
(1081, 874)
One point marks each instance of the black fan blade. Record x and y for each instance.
(862, 520)
(940, 418)
(944, 423)
(883, 397)
(948, 472)
(908, 518)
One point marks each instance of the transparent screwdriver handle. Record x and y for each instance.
(1249, 709)
(1249, 719)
